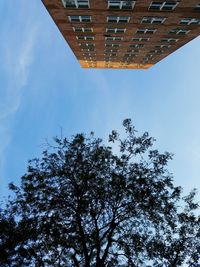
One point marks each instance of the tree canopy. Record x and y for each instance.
(82, 204)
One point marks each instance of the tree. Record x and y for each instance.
(82, 205)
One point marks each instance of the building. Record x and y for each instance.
(125, 34)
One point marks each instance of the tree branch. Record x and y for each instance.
(83, 240)
(76, 263)
(109, 240)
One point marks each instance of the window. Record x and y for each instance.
(79, 18)
(129, 55)
(112, 45)
(76, 3)
(132, 50)
(109, 59)
(115, 38)
(110, 50)
(87, 49)
(146, 31)
(107, 62)
(86, 44)
(162, 46)
(197, 7)
(91, 64)
(118, 4)
(90, 61)
(169, 40)
(179, 31)
(127, 62)
(190, 21)
(81, 37)
(147, 58)
(140, 39)
(107, 54)
(82, 29)
(156, 51)
(115, 30)
(160, 5)
(89, 54)
(90, 58)
(136, 45)
(153, 20)
(123, 19)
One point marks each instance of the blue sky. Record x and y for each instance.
(43, 88)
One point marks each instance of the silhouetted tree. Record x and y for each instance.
(82, 205)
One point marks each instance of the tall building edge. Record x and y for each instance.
(125, 34)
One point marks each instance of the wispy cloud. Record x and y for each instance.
(25, 57)
(17, 72)
(17, 57)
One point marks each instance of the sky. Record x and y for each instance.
(43, 90)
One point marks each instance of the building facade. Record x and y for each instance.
(125, 34)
